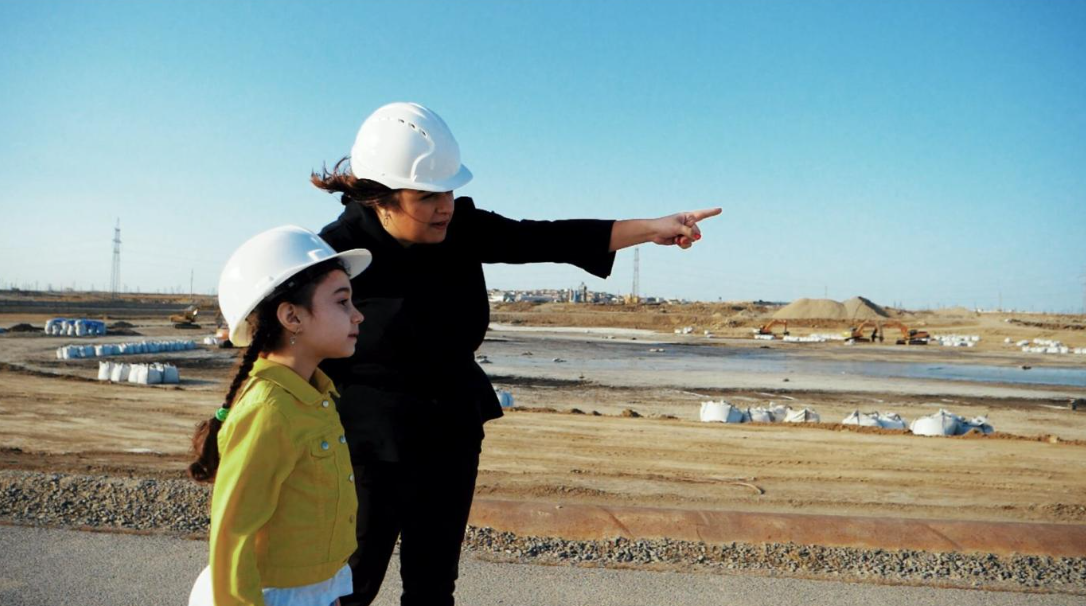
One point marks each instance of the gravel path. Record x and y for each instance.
(179, 507)
(46, 566)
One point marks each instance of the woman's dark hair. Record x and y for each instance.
(267, 334)
(364, 191)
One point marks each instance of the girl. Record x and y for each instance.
(283, 505)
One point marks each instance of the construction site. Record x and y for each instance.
(605, 432)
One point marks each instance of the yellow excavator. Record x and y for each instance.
(187, 318)
(908, 336)
(767, 329)
(856, 333)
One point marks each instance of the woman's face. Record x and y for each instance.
(329, 328)
(422, 218)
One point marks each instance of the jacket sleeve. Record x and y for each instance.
(580, 242)
(255, 451)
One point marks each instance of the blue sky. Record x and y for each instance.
(921, 153)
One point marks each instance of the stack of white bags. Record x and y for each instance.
(143, 374)
(75, 328)
(886, 420)
(119, 349)
(942, 423)
(725, 412)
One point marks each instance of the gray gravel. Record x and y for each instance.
(49, 566)
(180, 507)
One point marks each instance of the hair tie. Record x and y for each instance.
(221, 413)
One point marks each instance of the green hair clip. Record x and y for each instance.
(221, 413)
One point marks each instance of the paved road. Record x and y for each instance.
(48, 567)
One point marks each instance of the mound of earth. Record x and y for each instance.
(864, 309)
(828, 309)
(24, 328)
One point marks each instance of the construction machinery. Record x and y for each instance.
(222, 332)
(908, 336)
(187, 318)
(856, 333)
(767, 329)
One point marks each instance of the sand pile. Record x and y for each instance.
(864, 309)
(828, 309)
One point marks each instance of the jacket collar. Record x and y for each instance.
(283, 376)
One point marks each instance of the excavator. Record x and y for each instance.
(222, 332)
(767, 329)
(908, 336)
(856, 333)
(187, 318)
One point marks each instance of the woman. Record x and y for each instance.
(414, 401)
(283, 504)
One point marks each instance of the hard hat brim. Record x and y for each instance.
(458, 180)
(356, 260)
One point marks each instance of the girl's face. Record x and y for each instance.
(422, 218)
(329, 328)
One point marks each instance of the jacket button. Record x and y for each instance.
(324, 445)
(351, 519)
(342, 439)
(324, 403)
(351, 477)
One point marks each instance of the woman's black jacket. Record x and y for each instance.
(412, 388)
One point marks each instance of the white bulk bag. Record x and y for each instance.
(120, 373)
(759, 414)
(138, 374)
(942, 423)
(721, 412)
(504, 398)
(891, 420)
(978, 423)
(154, 374)
(88, 351)
(802, 416)
(105, 370)
(863, 419)
(170, 374)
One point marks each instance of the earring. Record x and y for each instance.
(293, 338)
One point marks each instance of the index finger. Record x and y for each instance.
(698, 215)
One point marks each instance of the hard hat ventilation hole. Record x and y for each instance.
(401, 121)
(424, 133)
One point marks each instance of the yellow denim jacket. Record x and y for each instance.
(283, 504)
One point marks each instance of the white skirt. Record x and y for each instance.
(317, 594)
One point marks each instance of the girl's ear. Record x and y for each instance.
(287, 313)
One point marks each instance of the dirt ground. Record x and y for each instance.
(578, 440)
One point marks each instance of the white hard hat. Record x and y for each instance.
(406, 146)
(268, 260)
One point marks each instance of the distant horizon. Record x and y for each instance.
(760, 301)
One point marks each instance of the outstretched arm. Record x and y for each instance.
(680, 229)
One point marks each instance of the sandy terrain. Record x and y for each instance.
(54, 416)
